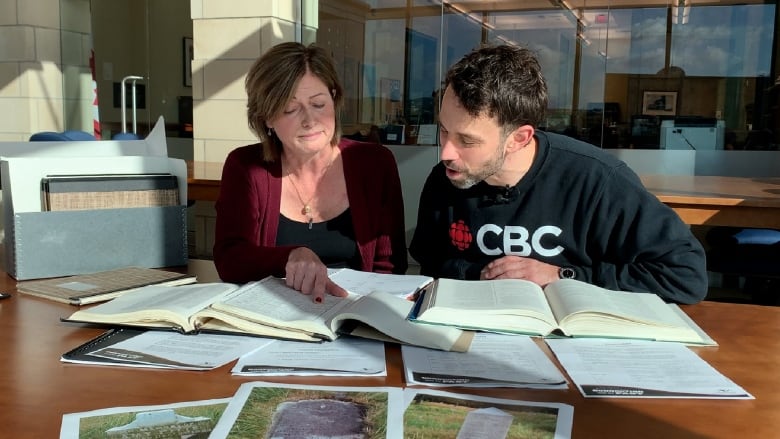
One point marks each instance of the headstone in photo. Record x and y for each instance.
(321, 418)
(161, 423)
(489, 423)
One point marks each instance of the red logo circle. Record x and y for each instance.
(460, 235)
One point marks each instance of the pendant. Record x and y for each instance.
(306, 210)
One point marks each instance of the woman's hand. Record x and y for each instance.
(306, 273)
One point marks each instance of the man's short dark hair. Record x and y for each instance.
(501, 81)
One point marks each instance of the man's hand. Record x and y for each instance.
(306, 273)
(517, 267)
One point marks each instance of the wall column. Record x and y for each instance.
(228, 37)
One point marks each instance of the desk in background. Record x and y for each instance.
(720, 201)
(699, 200)
(36, 389)
(203, 179)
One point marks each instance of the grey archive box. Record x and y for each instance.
(52, 244)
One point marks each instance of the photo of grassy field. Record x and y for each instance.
(94, 427)
(438, 417)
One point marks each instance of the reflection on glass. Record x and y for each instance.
(599, 62)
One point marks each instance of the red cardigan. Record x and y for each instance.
(248, 212)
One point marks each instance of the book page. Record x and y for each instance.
(156, 303)
(568, 297)
(387, 314)
(270, 301)
(505, 305)
(589, 311)
(494, 295)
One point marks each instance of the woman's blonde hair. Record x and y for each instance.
(270, 85)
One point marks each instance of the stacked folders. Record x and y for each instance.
(108, 191)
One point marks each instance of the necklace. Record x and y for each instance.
(306, 209)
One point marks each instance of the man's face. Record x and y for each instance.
(472, 148)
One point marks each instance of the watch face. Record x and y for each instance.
(567, 273)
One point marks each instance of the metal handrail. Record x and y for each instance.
(124, 102)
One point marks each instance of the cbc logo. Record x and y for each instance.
(515, 240)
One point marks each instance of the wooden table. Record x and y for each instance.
(719, 201)
(203, 179)
(36, 389)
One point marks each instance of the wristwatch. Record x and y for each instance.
(567, 273)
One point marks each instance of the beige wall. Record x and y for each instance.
(31, 68)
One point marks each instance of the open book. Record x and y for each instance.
(565, 307)
(269, 308)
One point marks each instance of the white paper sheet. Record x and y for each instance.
(493, 360)
(179, 351)
(345, 356)
(641, 369)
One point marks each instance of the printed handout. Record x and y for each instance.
(346, 356)
(493, 360)
(641, 369)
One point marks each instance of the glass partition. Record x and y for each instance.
(619, 72)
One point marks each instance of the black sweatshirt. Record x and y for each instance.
(578, 207)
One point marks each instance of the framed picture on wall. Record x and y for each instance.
(659, 103)
(188, 54)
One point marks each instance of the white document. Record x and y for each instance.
(166, 349)
(196, 410)
(310, 411)
(363, 282)
(345, 356)
(493, 360)
(641, 369)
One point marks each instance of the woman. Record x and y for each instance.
(304, 199)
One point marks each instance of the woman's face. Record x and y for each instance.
(308, 121)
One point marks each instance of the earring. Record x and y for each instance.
(270, 132)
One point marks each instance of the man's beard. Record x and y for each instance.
(471, 178)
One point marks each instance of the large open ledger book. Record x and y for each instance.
(565, 307)
(271, 309)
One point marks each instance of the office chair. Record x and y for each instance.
(748, 253)
(69, 135)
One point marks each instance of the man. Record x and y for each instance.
(510, 201)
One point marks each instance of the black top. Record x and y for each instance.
(577, 206)
(333, 240)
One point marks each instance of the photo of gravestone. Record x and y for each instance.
(434, 416)
(192, 422)
(277, 412)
